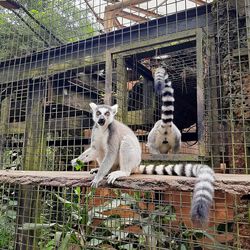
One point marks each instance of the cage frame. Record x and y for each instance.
(120, 52)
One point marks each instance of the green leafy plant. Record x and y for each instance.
(80, 165)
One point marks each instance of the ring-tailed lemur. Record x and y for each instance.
(117, 150)
(164, 136)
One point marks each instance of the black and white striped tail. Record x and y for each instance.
(203, 191)
(164, 86)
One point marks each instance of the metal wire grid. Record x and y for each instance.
(229, 78)
(57, 97)
(46, 217)
(46, 119)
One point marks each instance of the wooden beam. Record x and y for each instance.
(124, 4)
(64, 123)
(131, 16)
(122, 92)
(198, 2)
(108, 78)
(100, 20)
(73, 100)
(118, 24)
(138, 9)
(109, 16)
(228, 183)
(145, 12)
(35, 139)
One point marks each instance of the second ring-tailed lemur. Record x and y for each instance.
(117, 150)
(164, 136)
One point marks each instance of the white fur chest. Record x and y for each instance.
(100, 138)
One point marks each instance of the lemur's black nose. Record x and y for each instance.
(101, 121)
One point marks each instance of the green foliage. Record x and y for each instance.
(12, 159)
(8, 216)
(67, 221)
(80, 165)
(67, 20)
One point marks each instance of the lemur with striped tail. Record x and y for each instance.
(164, 136)
(117, 150)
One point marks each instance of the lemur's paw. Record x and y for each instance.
(115, 175)
(94, 171)
(95, 182)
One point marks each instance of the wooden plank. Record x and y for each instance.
(173, 158)
(108, 19)
(247, 9)
(108, 78)
(131, 16)
(130, 48)
(122, 91)
(73, 100)
(44, 70)
(35, 139)
(4, 121)
(145, 12)
(200, 93)
(140, 117)
(124, 4)
(227, 183)
(214, 116)
(198, 2)
(64, 123)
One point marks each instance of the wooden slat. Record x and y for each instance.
(131, 16)
(198, 2)
(124, 4)
(145, 12)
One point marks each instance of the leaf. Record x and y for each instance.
(11, 214)
(127, 246)
(68, 203)
(58, 236)
(119, 235)
(12, 203)
(65, 241)
(183, 247)
(78, 191)
(94, 242)
(35, 226)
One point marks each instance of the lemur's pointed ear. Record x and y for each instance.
(93, 106)
(114, 108)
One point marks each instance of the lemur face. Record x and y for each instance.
(103, 115)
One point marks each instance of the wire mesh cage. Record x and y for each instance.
(42, 213)
(57, 56)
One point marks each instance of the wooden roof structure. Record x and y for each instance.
(117, 14)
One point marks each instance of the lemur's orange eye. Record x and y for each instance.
(107, 113)
(98, 113)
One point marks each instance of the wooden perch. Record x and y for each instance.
(234, 184)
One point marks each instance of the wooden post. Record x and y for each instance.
(215, 131)
(148, 101)
(108, 79)
(247, 11)
(122, 90)
(34, 144)
(34, 159)
(4, 121)
(200, 94)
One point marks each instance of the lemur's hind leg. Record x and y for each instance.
(129, 159)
